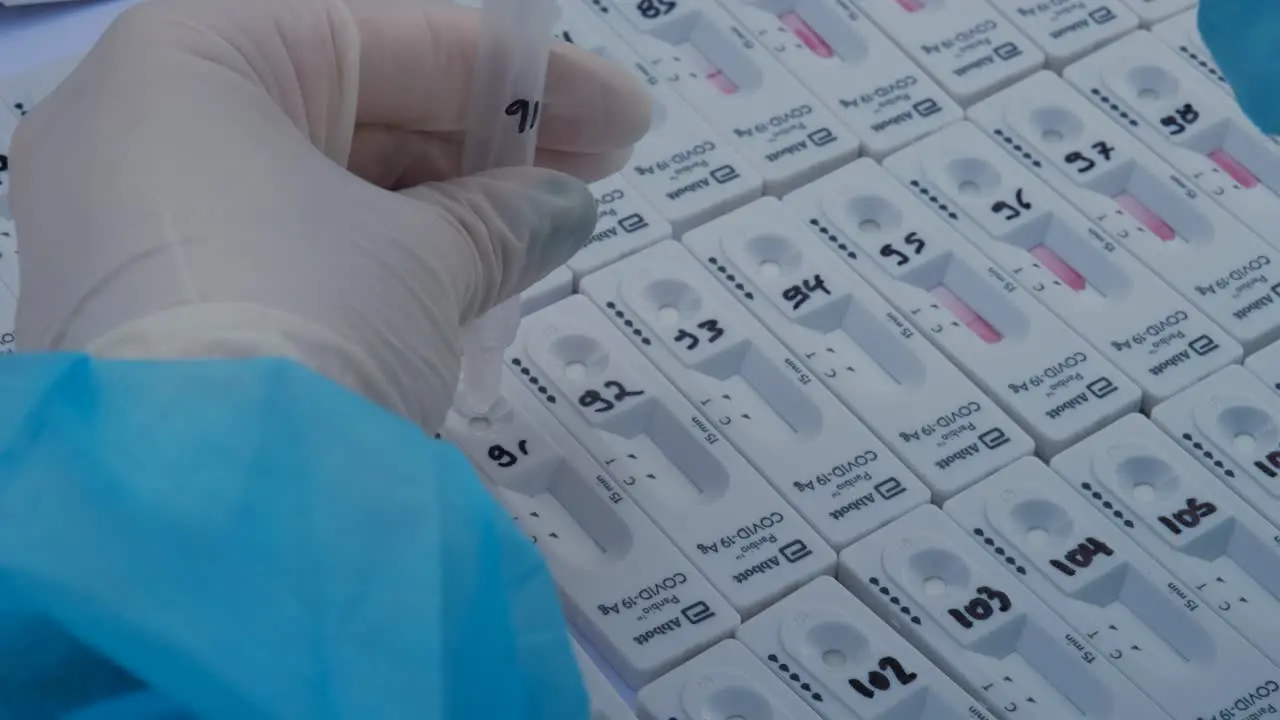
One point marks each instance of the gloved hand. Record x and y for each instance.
(1241, 36)
(278, 177)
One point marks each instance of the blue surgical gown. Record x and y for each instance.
(246, 539)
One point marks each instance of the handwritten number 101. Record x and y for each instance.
(527, 112)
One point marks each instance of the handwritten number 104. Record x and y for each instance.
(527, 112)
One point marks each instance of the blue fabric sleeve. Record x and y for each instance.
(1241, 35)
(246, 539)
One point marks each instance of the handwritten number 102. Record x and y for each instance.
(527, 112)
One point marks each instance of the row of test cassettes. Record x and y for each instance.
(779, 354)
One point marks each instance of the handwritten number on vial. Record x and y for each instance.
(878, 681)
(504, 457)
(1014, 210)
(1085, 160)
(1179, 120)
(617, 393)
(711, 330)
(800, 294)
(654, 9)
(982, 607)
(527, 112)
(912, 241)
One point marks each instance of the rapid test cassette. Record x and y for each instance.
(1130, 316)
(726, 681)
(681, 165)
(1141, 202)
(849, 64)
(556, 286)
(1144, 86)
(1067, 31)
(627, 589)
(1231, 424)
(787, 134)
(606, 704)
(1182, 34)
(1041, 372)
(988, 632)
(851, 339)
(1119, 600)
(848, 664)
(1154, 11)
(1266, 365)
(735, 528)
(625, 224)
(968, 47)
(818, 455)
(1224, 552)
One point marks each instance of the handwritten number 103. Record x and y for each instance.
(527, 112)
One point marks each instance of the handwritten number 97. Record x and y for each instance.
(527, 112)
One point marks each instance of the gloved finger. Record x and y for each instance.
(1241, 36)
(512, 226)
(590, 105)
(395, 159)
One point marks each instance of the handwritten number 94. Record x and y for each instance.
(527, 112)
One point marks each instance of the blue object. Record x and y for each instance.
(1241, 35)
(246, 539)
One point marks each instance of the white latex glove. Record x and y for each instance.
(232, 178)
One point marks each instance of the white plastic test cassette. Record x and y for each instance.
(1182, 33)
(1154, 11)
(1120, 601)
(1266, 364)
(848, 664)
(1231, 424)
(820, 457)
(849, 64)
(556, 286)
(919, 404)
(1046, 376)
(625, 223)
(726, 681)
(1143, 85)
(980, 625)
(681, 165)
(1067, 31)
(734, 527)
(968, 47)
(787, 134)
(1159, 339)
(606, 704)
(627, 589)
(1224, 552)
(1198, 248)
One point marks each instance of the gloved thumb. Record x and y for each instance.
(510, 227)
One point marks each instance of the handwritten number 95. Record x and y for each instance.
(527, 112)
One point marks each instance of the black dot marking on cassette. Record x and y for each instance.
(1097, 496)
(831, 238)
(1019, 149)
(618, 313)
(1114, 107)
(1008, 558)
(1208, 455)
(875, 582)
(533, 380)
(720, 268)
(1206, 65)
(794, 677)
(937, 201)
(605, 10)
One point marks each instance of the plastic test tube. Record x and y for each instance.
(502, 130)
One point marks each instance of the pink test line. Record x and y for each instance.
(1146, 216)
(1234, 168)
(807, 34)
(713, 74)
(966, 315)
(1056, 265)
(911, 5)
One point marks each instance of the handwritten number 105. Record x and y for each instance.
(527, 112)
